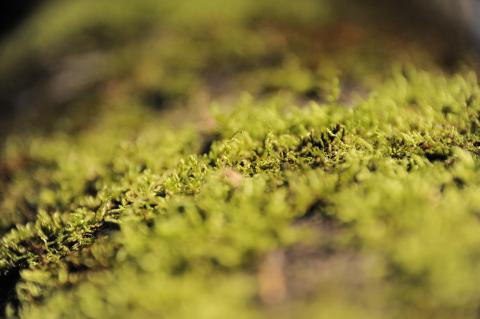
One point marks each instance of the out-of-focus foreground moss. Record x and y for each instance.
(235, 159)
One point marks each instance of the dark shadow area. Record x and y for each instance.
(13, 12)
(8, 295)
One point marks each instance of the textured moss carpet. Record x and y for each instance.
(237, 159)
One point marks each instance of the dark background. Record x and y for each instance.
(12, 12)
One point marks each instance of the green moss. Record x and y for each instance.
(165, 190)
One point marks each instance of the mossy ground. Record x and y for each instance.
(202, 159)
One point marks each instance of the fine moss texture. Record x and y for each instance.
(238, 159)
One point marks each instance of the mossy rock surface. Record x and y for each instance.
(238, 159)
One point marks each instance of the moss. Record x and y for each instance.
(210, 164)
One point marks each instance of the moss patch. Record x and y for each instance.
(264, 168)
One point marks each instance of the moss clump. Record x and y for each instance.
(344, 184)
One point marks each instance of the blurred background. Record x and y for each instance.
(56, 55)
(458, 14)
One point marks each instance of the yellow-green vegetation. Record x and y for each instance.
(236, 159)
